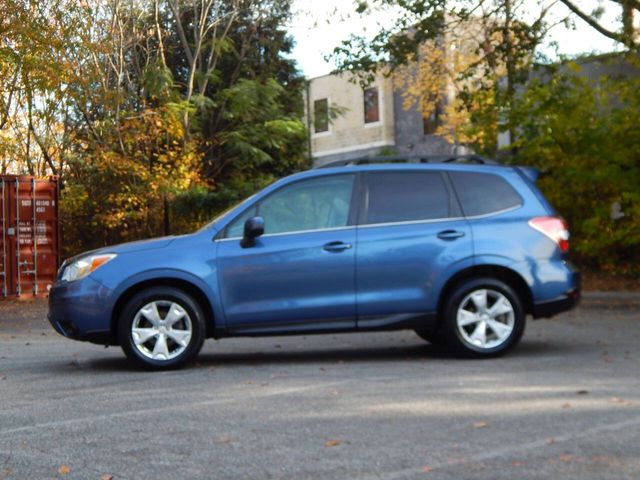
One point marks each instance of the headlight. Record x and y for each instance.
(84, 266)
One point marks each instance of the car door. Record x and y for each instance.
(300, 275)
(410, 231)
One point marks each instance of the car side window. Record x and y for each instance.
(483, 193)
(313, 204)
(406, 196)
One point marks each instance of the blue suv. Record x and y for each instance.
(461, 253)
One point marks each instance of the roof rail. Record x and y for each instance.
(473, 159)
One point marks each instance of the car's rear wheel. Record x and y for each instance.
(483, 317)
(161, 328)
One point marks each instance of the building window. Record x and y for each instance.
(321, 115)
(371, 105)
(430, 123)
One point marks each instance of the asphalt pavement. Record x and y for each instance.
(564, 405)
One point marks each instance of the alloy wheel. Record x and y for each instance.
(161, 330)
(485, 318)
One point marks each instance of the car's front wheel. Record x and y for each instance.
(161, 328)
(483, 317)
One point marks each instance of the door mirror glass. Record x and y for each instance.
(253, 228)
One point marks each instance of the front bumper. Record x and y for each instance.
(81, 310)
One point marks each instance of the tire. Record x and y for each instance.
(161, 328)
(483, 332)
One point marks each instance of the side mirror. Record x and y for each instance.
(253, 228)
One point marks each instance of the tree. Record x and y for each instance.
(494, 47)
(139, 105)
(34, 78)
(585, 136)
(627, 34)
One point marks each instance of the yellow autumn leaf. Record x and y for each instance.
(64, 469)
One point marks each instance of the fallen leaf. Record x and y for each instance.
(332, 443)
(224, 439)
(480, 424)
(550, 441)
(63, 470)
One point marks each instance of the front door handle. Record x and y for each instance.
(336, 246)
(450, 234)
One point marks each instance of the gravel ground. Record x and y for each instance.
(565, 404)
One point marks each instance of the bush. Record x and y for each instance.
(585, 137)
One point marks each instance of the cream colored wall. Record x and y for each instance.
(348, 132)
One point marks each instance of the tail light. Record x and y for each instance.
(555, 228)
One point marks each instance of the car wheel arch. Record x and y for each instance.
(499, 272)
(184, 285)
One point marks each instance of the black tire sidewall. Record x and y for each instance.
(151, 294)
(453, 335)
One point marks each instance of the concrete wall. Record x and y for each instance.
(409, 134)
(348, 135)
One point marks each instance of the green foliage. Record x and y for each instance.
(152, 127)
(585, 135)
(113, 195)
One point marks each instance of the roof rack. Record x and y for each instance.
(472, 159)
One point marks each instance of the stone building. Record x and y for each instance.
(347, 121)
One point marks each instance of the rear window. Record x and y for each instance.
(406, 196)
(483, 193)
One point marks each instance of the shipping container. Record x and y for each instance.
(29, 247)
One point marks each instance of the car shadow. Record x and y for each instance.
(354, 354)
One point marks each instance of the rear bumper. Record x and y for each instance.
(81, 310)
(566, 301)
(553, 307)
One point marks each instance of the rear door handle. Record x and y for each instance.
(450, 234)
(336, 246)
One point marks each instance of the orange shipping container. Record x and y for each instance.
(29, 247)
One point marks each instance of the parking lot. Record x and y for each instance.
(565, 404)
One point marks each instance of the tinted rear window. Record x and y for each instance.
(406, 196)
(483, 193)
